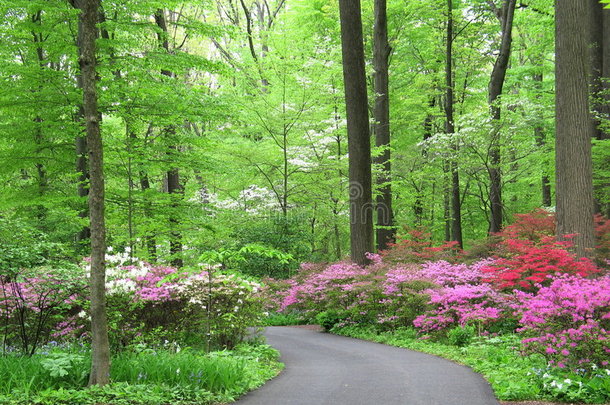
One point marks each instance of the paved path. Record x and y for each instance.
(327, 369)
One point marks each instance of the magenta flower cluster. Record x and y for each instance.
(461, 305)
(568, 321)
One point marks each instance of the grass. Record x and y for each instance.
(143, 376)
(513, 377)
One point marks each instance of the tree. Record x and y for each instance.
(100, 348)
(174, 186)
(574, 132)
(496, 83)
(456, 205)
(356, 104)
(381, 113)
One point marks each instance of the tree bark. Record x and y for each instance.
(496, 84)
(100, 349)
(81, 148)
(540, 137)
(174, 187)
(574, 187)
(456, 206)
(596, 45)
(359, 147)
(599, 56)
(381, 53)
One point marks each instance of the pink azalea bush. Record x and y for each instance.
(146, 303)
(33, 301)
(388, 296)
(463, 305)
(161, 302)
(568, 321)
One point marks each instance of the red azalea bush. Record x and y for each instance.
(528, 254)
(534, 226)
(528, 265)
(602, 234)
(417, 247)
(538, 227)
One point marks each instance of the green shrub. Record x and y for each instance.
(328, 319)
(461, 335)
(283, 319)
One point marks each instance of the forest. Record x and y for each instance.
(179, 171)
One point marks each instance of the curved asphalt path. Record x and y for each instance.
(328, 369)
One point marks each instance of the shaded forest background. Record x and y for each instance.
(224, 125)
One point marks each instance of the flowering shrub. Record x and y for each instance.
(462, 305)
(223, 306)
(602, 234)
(534, 226)
(335, 287)
(529, 265)
(33, 301)
(353, 294)
(388, 297)
(151, 304)
(568, 321)
(417, 248)
(538, 228)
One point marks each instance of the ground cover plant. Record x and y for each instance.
(532, 318)
(140, 375)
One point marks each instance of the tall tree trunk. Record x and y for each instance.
(150, 240)
(174, 187)
(381, 54)
(81, 148)
(599, 54)
(540, 137)
(574, 187)
(598, 18)
(418, 205)
(41, 171)
(100, 349)
(456, 205)
(496, 83)
(359, 147)
(605, 105)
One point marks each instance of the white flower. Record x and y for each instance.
(178, 371)
(567, 381)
